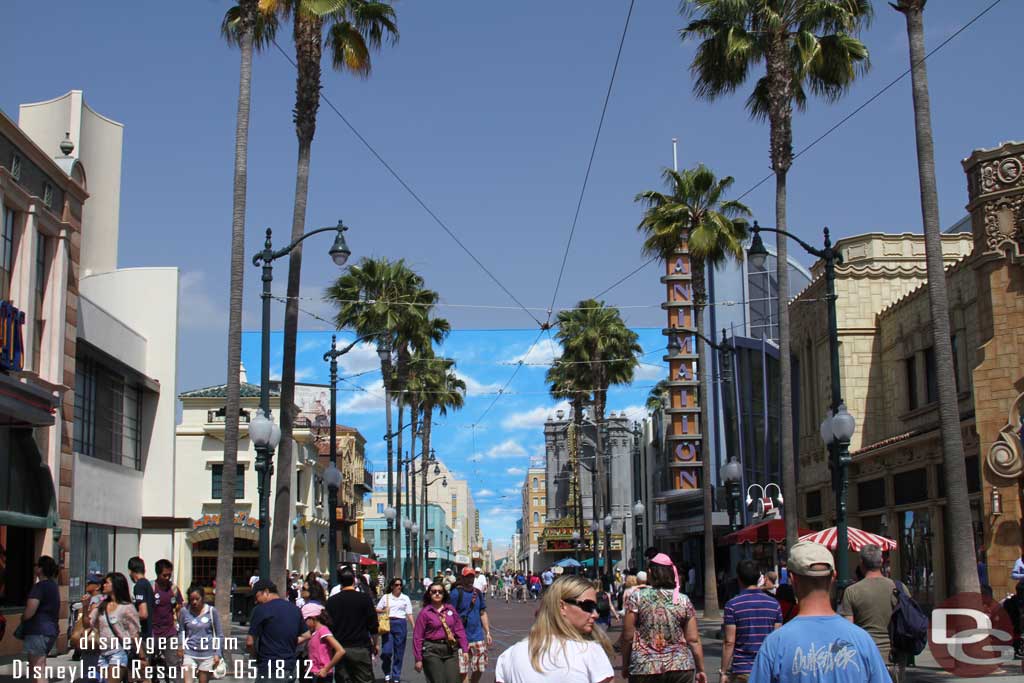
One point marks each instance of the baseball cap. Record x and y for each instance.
(311, 609)
(806, 559)
(94, 577)
(468, 571)
(264, 585)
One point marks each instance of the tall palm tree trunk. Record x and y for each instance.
(385, 368)
(428, 420)
(780, 116)
(399, 560)
(577, 419)
(958, 509)
(226, 534)
(411, 504)
(710, 573)
(307, 32)
(602, 502)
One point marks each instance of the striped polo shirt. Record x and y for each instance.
(754, 613)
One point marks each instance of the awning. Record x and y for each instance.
(28, 495)
(358, 546)
(768, 531)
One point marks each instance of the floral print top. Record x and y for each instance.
(659, 645)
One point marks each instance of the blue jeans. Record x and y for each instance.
(392, 650)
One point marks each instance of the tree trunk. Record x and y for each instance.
(226, 534)
(711, 610)
(307, 33)
(413, 508)
(577, 418)
(385, 369)
(958, 509)
(428, 421)
(781, 123)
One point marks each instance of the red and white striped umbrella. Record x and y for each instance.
(857, 539)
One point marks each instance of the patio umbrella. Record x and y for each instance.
(567, 562)
(856, 537)
(367, 562)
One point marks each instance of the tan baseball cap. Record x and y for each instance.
(811, 559)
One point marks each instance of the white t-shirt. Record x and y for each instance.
(398, 608)
(579, 662)
(427, 582)
(480, 583)
(252, 580)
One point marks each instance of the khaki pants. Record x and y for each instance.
(440, 663)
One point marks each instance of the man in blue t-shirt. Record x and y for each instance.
(472, 608)
(749, 618)
(274, 631)
(818, 645)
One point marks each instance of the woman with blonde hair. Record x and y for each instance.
(563, 645)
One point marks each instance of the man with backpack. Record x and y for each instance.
(870, 604)
(469, 602)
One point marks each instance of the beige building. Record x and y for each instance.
(889, 383)
(535, 516)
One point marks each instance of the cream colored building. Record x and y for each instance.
(535, 511)
(889, 383)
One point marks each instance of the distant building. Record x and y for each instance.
(533, 495)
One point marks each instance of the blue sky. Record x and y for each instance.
(488, 110)
(493, 455)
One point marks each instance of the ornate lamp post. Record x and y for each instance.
(263, 439)
(838, 445)
(577, 543)
(594, 528)
(389, 515)
(607, 522)
(332, 478)
(638, 514)
(731, 475)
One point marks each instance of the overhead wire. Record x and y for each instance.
(837, 125)
(590, 162)
(412, 193)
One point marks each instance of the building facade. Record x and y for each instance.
(533, 498)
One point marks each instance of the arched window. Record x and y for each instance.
(535, 484)
(536, 518)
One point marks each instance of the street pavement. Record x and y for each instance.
(511, 623)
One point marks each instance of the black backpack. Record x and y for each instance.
(604, 605)
(908, 626)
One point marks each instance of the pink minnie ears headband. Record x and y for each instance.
(666, 561)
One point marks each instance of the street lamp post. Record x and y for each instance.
(731, 475)
(608, 543)
(594, 528)
(577, 544)
(838, 424)
(332, 478)
(638, 514)
(389, 514)
(266, 440)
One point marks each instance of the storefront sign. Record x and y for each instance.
(241, 519)
(684, 437)
(12, 346)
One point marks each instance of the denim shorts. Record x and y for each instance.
(116, 658)
(39, 646)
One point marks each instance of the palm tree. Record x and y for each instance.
(353, 27)
(442, 391)
(656, 397)
(965, 575)
(695, 213)
(378, 299)
(571, 381)
(596, 334)
(246, 27)
(805, 45)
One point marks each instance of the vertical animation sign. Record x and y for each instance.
(683, 412)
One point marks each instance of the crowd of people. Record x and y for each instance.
(779, 627)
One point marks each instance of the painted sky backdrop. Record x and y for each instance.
(493, 455)
(488, 110)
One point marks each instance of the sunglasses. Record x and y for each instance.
(588, 606)
(436, 592)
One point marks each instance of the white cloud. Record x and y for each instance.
(369, 401)
(361, 358)
(484, 493)
(515, 471)
(507, 449)
(650, 371)
(533, 418)
(475, 387)
(543, 352)
(635, 413)
(203, 311)
(476, 457)
(305, 373)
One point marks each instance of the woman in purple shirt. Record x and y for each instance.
(438, 637)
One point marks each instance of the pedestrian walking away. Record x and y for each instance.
(660, 639)
(145, 603)
(324, 650)
(354, 624)
(818, 644)
(167, 603)
(39, 628)
(547, 578)
(397, 608)
(200, 635)
(438, 638)
(469, 602)
(605, 606)
(870, 602)
(749, 618)
(116, 622)
(563, 646)
(274, 632)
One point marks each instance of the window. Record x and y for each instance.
(380, 508)
(368, 536)
(107, 415)
(318, 490)
(18, 544)
(40, 295)
(871, 494)
(6, 253)
(813, 504)
(911, 371)
(536, 536)
(536, 483)
(48, 195)
(910, 487)
(931, 382)
(217, 477)
(16, 167)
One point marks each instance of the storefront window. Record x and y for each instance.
(99, 548)
(916, 555)
(17, 557)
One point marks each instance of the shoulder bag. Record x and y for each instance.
(384, 619)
